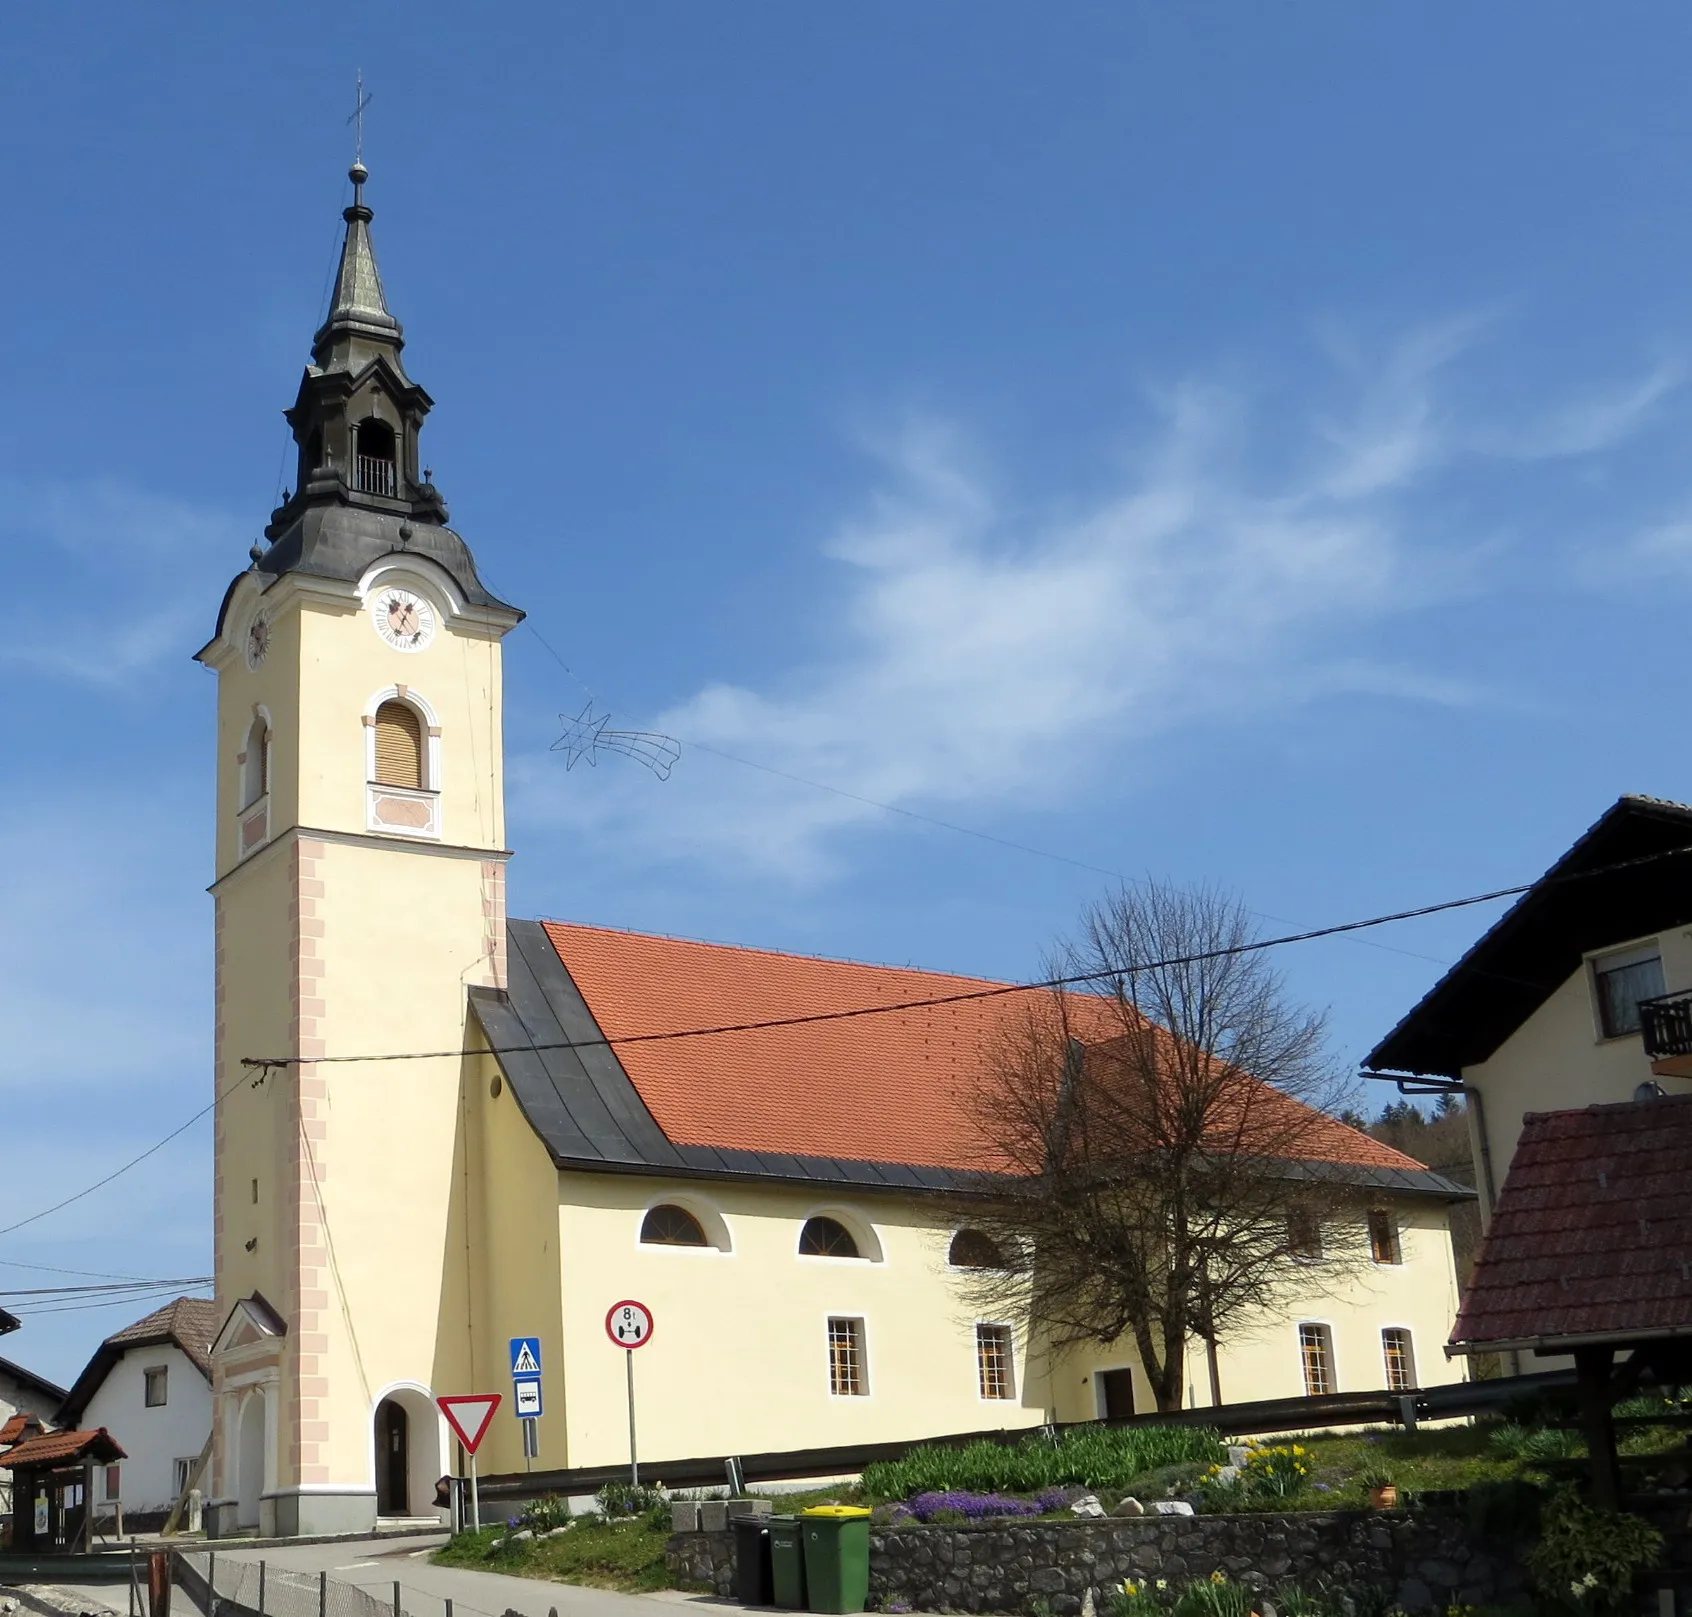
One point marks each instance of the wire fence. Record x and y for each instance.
(234, 1586)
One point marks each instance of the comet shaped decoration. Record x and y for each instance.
(587, 735)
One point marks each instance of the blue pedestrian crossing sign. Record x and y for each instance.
(525, 1358)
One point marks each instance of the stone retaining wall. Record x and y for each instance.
(1426, 1562)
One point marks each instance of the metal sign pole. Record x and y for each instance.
(634, 1464)
(475, 1498)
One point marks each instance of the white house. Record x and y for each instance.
(149, 1385)
(1580, 995)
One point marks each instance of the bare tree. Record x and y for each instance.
(1158, 1157)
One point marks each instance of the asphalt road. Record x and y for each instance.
(375, 1565)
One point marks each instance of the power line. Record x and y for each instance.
(134, 1162)
(142, 1285)
(996, 991)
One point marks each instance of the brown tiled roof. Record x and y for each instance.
(188, 1322)
(892, 1087)
(55, 1448)
(1592, 1234)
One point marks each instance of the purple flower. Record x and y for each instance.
(972, 1506)
(1052, 1499)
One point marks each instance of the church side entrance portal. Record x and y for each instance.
(393, 1459)
(249, 1465)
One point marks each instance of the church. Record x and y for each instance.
(438, 1128)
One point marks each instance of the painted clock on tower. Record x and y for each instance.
(405, 620)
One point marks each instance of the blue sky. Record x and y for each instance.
(1232, 443)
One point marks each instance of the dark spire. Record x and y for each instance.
(359, 310)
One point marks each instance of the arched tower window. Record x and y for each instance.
(255, 770)
(399, 745)
(311, 457)
(374, 468)
(827, 1238)
(669, 1225)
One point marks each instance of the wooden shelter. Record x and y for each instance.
(53, 1488)
(1589, 1254)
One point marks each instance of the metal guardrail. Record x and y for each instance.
(1263, 1416)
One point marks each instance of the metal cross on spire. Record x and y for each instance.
(361, 100)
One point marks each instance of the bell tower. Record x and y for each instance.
(360, 891)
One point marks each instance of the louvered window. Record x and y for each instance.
(399, 746)
(255, 764)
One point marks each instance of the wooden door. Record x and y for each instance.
(392, 1461)
(1116, 1393)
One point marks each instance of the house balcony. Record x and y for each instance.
(1666, 1026)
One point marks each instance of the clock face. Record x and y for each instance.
(404, 620)
(258, 642)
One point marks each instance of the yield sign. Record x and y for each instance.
(469, 1414)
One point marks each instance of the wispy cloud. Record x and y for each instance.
(982, 655)
(132, 561)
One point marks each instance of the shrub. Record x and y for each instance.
(1215, 1596)
(1091, 1457)
(1587, 1558)
(545, 1514)
(1513, 1441)
(629, 1499)
(1144, 1598)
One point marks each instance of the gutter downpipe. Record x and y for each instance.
(1472, 1096)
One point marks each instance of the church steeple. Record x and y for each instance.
(360, 307)
(361, 491)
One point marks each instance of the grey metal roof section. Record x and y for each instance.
(586, 1110)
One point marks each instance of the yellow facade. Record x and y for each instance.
(338, 936)
(738, 1361)
(1559, 1059)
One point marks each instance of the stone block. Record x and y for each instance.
(1172, 1507)
(713, 1516)
(684, 1516)
(751, 1507)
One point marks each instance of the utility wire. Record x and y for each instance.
(996, 991)
(143, 1285)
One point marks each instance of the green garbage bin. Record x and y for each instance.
(837, 1557)
(787, 1562)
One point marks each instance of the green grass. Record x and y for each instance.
(1098, 1457)
(624, 1555)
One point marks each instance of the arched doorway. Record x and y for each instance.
(250, 1461)
(393, 1459)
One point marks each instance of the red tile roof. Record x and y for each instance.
(17, 1425)
(890, 1088)
(56, 1448)
(1592, 1234)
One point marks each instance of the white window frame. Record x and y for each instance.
(1327, 1329)
(863, 1233)
(719, 1241)
(862, 1324)
(1410, 1354)
(1009, 1330)
(429, 794)
(1615, 958)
